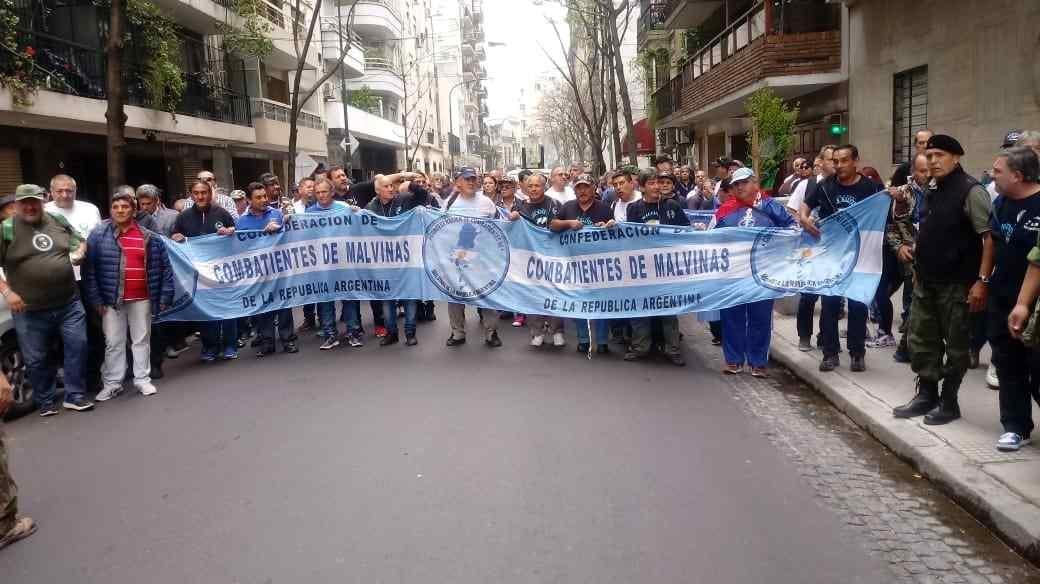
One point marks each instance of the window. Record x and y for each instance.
(909, 110)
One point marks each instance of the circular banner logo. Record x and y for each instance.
(466, 258)
(42, 242)
(809, 264)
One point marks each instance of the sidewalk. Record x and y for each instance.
(1001, 489)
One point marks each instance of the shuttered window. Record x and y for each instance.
(10, 171)
(909, 110)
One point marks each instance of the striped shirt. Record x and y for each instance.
(135, 281)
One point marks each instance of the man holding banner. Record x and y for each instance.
(652, 210)
(846, 188)
(541, 211)
(467, 201)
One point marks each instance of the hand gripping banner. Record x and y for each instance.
(632, 270)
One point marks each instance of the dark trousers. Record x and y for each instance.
(95, 348)
(270, 324)
(8, 492)
(806, 311)
(219, 335)
(715, 326)
(857, 321)
(891, 280)
(979, 328)
(309, 312)
(642, 334)
(378, 318)
(1018, 369)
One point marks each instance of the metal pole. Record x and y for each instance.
(347, 155)
(451, 122)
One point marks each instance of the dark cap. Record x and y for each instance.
(945, 143)
(721, 161)
(584, 179)
(666, 175)
(465, 172)
(1010, 138)
(6, 200)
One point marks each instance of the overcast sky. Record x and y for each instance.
(522, 25)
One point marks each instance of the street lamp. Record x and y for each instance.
(451, 119)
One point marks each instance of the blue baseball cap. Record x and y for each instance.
(466, 172)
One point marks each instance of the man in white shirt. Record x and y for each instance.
(558, 187)
(83, 216)
(624, 194)
(467, 201)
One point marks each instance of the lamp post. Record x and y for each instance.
(451, 120)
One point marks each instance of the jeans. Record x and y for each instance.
(806, 310)
(308, 312)
(327, 319)
(36, 330)
(351, 315)
(377, 313)
(137, 317)
(219, 333)
(600, 327)
(266, 325)
(746, 330)
(390, 312)
(857, 321)
(891, 280)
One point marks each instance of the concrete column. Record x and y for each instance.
(222, 168)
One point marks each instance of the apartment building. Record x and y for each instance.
(233, 117)
(719, 52)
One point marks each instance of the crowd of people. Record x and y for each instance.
(965, 255)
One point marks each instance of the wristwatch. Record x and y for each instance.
(984, 279)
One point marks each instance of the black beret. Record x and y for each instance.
(946, 143)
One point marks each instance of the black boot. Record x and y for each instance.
(947, 410)
(926, 398)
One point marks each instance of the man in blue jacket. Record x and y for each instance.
(127, 278)
(259, 216)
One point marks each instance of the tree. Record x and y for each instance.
(115, 115)
(302, 49)
(772, 133)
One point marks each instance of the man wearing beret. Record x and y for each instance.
(953, 259)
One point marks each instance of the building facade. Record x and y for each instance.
(233, 117)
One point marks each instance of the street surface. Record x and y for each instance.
(430, 464)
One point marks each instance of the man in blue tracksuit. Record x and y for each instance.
(259, 216)
(391, 200)
(746, 328)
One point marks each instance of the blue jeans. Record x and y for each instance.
(220, 333)
(327, 319)
(600, 327)
(351, 315)
(37, 330)
(390, 316)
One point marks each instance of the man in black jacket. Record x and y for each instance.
(953, 260)
(204, 218)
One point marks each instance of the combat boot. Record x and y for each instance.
(948, 410)
(926, 399)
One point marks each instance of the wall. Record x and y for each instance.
(983, 74)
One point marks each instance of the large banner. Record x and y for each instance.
(631, 270)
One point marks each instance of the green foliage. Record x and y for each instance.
(18, 70)
(774, 121)
(364, 99)
(254, 37)
(155, 35)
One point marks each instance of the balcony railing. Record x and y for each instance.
(80, 70)
(279, 112)
(390, 5)
(653, 17)
(379, 64)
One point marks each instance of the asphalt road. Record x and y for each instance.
(423, 464)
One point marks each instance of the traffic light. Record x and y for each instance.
(837, 125)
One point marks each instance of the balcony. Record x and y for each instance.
(381, 77)
(74, 94)
(682, 14)
(271, 120)
(796, 53)
(651, 20)
(366, 125)
(354, 64)
(376, 20)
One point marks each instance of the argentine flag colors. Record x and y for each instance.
(631, 270)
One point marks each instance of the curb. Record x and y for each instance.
(991, 501)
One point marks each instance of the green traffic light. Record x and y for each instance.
(837, 129)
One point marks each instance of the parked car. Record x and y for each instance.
(13, 365)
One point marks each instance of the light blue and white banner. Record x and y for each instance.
(631, 270)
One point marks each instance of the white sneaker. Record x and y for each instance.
(107, 394)
(559, 340)
(537, 340)
(147, 389)
(991, 377)
(1010, 442)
